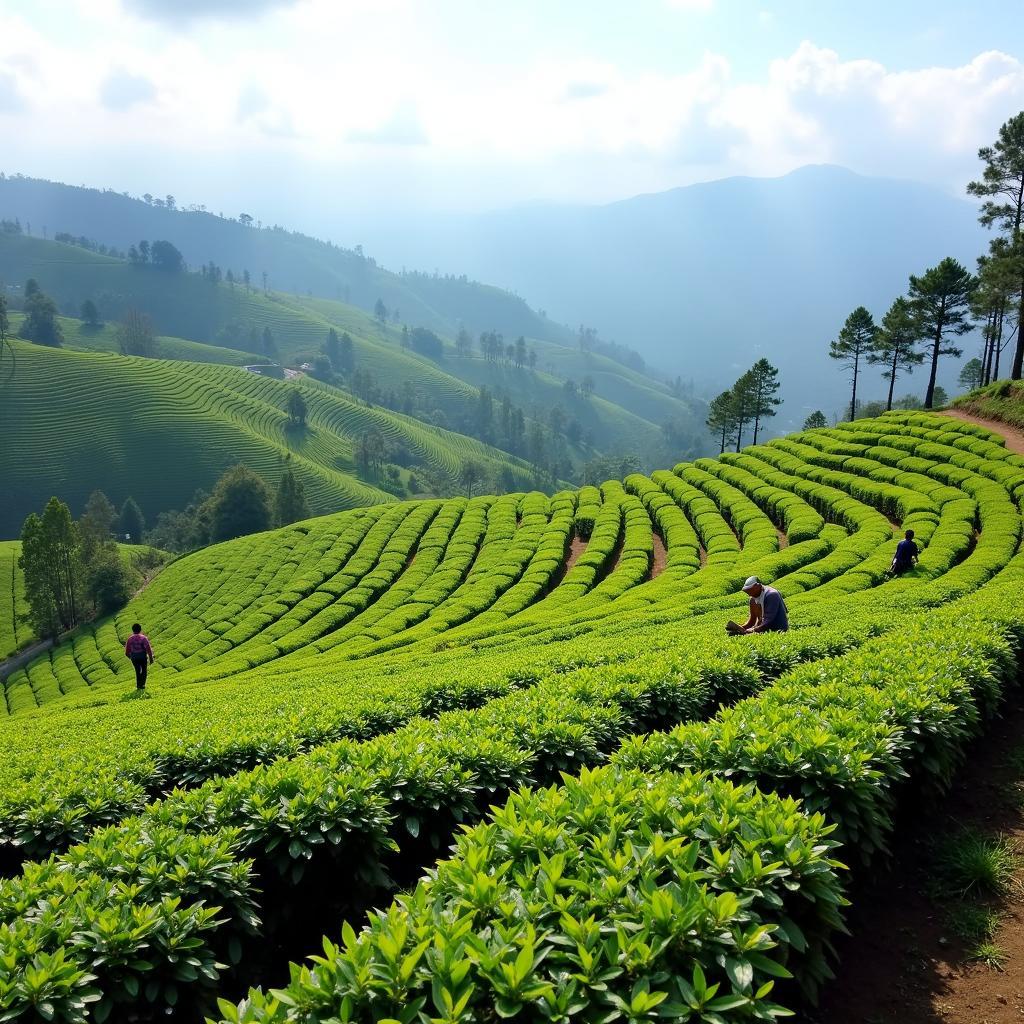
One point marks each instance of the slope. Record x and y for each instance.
(158, 430)
(186, 306)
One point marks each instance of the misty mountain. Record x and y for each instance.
(292, 261)
(703, 280)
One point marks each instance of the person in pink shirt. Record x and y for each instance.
(140, 652)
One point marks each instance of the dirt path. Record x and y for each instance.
(660, 559)
(1014, 438)
(576, 548)
(902, 963)
(783, 539)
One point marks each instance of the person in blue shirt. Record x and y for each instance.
(768, 613)
(906, 555)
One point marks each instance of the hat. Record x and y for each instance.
(752, 581)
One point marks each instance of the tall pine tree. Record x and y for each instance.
(941, 299)
(856, 340)
(895, 345)
(764, 381)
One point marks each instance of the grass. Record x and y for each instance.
(972, 863)
(1002, 401)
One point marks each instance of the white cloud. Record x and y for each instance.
(697, 6)
(122, 90)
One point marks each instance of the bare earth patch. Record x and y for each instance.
(1014, 438)
(660, 559)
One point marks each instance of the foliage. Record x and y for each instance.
(130, 523)
(290, 503)
(857, 340)
(50, 559)
(40, 325)
(135, 335)
(816, 420)
(941, 300)
(895, 344)
(972, 374)
(239, 504)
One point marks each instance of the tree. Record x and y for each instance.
(764, 380)
(815, 421)
(856, 340)
(295, 406)
(231, 278)
(31, 288)
(290, 503)
(135, 335)
(1002, 189)
(532, 358)
(470, 475)
(90, 315)
(50, 560)
(130, 524)
(426, 343)
(520, 352)
(95, 524)
(463, 343)
(40, 325)
(972, 373)
(332, 347)
(721, 419)
(380, 311)
(896, 344)
(246, 280)
(587, 386)
(167, 257)
(347, 354)
(743, 404)
(144, 251)
(941, 299)
(108, 583)
(240, 504)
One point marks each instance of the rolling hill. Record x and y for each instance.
(158, 430)
(625, 416)
(456, 736)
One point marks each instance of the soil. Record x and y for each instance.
(783, 539)
(660, 559)
(702, 554)
(902, 964)
(1014, 437)
(576, 548)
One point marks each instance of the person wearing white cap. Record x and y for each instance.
(768, 612)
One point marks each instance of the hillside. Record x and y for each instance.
(625, 417)
(544, 682)
(704, 279)
(293, 262)
(157, 430)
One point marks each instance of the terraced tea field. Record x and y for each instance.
(158, 430)
(638, 818)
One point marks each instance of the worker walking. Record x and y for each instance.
(768, 613)
(140, 652)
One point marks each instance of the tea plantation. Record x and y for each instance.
(494, 758)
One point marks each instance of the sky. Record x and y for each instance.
(297, 111)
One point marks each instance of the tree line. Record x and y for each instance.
(748, 403)
(947, 301)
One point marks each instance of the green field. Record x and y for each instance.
(644, 812)
(625, 415)
(157, 430)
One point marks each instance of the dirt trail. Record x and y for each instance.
(660, 559)
(576, 548)
(783, 539)
(1012, 435)
(902, 962)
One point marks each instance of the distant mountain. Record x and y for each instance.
(704, 279)
(293, 262)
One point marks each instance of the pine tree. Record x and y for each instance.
(941, 299)
(295, 406)
(765, 386)
(96, 524)
(743, 404)
(721, 419)
(896, 344)
(971, 374)
(815, 421)
(347, 357)
(856, 340)
(1002, 189)
(290, 503)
